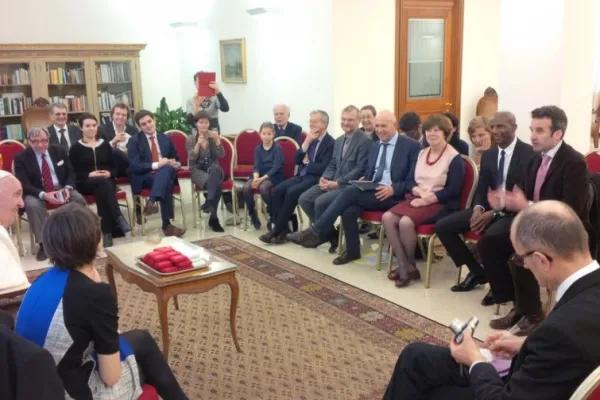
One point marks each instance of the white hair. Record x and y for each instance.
(284, 106)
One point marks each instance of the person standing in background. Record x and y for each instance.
(212, 105)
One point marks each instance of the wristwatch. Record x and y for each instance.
(496, 214)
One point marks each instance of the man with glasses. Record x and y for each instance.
(60, 132)
(47, 177)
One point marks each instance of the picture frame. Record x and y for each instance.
(233, 60)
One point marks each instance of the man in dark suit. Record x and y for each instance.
(283, 127)
(502, 167)
(550, 241)
(557, 172)
(391, 163)
(312, 158)
(47, 177)
(348, 163)
(117, 133)
(154, 163)
(60, 132)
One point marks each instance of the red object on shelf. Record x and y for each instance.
(204, 79)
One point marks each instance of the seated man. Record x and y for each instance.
(154, 163)
(47, 177)
(347, 164)
(61, 132)
(312, 158)
(550, 241)
(502, 168)
(118, 133)
(391, 164)
(283, 126)
(556, 172)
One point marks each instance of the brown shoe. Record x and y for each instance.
(414, 275)
(528, 323)
(172, 230)
(505, 322)
(150, 208)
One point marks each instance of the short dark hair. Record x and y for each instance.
(122, 106)
(409, 121)
(268, 125)
(454, 120)
(201, 115)
(556, 114)
(141, 114)
(370, 108)
(71, 235)
(439, 120)
(196, 75)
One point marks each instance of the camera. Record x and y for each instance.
(458, 327)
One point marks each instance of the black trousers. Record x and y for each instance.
(123, 170)
(154, 369)
(284, 199)
(424, 371)
(495, 249)
(7, 320)
(449, 230)
(104, 190)
(527, 291)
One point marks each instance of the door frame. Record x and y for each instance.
(457, 51)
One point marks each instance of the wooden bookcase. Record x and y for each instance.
(86, 77)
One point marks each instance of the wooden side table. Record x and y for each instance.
(122, 260)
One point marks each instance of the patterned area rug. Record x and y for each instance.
(304, 335)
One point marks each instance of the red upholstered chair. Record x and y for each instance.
(9, 149)
(122, 197)
(148, 393)
(228, 184)
(593, 161)
(244, 144)
(374, 218)
(179, 139)
(589, 388)
(302, 137)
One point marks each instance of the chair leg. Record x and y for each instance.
(142, 205)
(497, 310)
(380, 250)
(131, 216)
(234, 205)
(341, 240)
(194, 193)
(19, 237)
(300, 217)
(390, 256)
(176, 302)
(182, 204)
(429, 261)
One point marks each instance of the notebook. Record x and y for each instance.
(365, 186)
(501, 365)
(204, 79)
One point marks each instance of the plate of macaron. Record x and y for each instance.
(166, 261)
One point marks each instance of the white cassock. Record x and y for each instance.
(12, 276)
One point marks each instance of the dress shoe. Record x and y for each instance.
(470, 283)
(505, 322)
(413, 275)
(488, 300)
(41, 254)
(528, 323)
(309, 239)
(150, 208)
(107, 240)
(123, 224)
(345, 258)
(215, 225)
(364, 228)
(281, 238)
(267, 237)
(172, 230)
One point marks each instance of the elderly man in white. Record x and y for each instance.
(12, 277)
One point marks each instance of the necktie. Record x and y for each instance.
(382, 164)
(46, 176)
(500, 174)
(311, 155)
(62, 140)
(541, 176)
(154, 149)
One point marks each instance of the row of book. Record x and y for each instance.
(14, 103)
(16, 77)
(113, 73)
(73, 103)
(107, 100)
(62, 76)
(12, 131)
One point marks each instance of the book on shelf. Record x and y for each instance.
(114, 72)
(62, 76)
(73, 103)
(12, 131)
(14, 103)
(17, 77)
(106, 100)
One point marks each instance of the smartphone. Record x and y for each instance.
(60, 195)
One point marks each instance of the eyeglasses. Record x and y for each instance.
(519, 259)
(39, 141)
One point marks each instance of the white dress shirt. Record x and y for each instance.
(149, 138)
(123, 145)
(574, 277)
(552, 152)
(66, 133)
(508, 152)
(12, 276)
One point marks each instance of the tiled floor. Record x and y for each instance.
(437, 303)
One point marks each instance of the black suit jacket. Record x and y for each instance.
(557, 356)
(488, 171)
(74, 134)
(27, 372)
(28, 172)
(322, 158)
(107, 131)
(291, 130)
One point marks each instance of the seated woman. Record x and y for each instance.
(204, 149)
(95, 169)
(439, 175)
(267, 172)
(72, 314)
(480, 134)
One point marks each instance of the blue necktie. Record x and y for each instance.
(500, 175)
(382, 164)
(311, 156)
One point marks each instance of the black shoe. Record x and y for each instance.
(470, 283)
(345, 258)
(307, 238)
(123, 224)
(267, 237)
(215, 225)
(364, 228)
(488, 300)
(107, 240)
(281, 238)
(41, 254)
(334, 240)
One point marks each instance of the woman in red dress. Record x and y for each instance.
(439, 174)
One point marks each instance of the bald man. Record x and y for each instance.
(501, 167)
(283, 126)
(390, 164)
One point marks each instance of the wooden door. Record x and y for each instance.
(428, 56)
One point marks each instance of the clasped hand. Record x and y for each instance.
(327, 185)
(501, 345)
(171, 161)
(100, 173)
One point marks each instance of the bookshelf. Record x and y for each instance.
(85, 77)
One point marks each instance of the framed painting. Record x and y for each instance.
(233, 60)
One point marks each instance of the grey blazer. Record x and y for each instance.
(352, 165)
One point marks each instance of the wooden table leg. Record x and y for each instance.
(163, 314)
(235, 293)
(111, 277)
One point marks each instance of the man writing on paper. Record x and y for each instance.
(12, 277)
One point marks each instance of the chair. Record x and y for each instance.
(244, 144)
(35, 116)
(589, 389)
(593, 161)
(179, 139)
(177, 197)
(148, 393)
(228, 185)
(8, 150)
(375, 218)
(121, 196)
